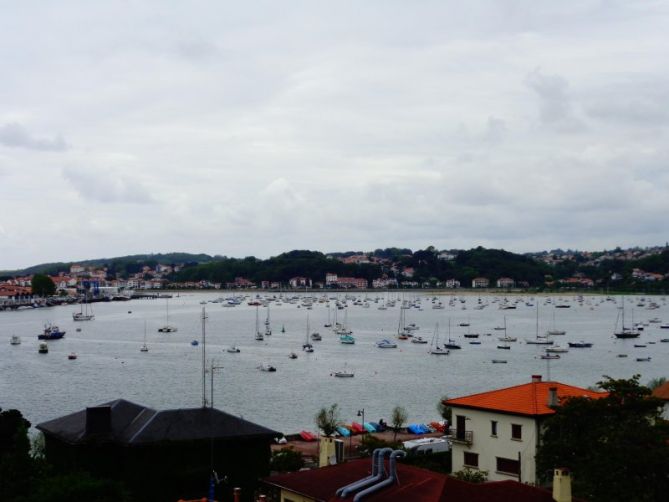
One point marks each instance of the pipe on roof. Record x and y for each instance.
(390, 480)
(378, 473)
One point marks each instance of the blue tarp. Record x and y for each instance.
(418, 428)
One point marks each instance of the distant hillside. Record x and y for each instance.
(118, 263)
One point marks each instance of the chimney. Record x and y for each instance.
(98, 420)
(561, 485)
(552, 397)
(536, 378)
(237, 494)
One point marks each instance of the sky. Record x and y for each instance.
(255, 128)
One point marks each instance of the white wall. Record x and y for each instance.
(489, 447)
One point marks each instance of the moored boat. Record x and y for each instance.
(51, 332)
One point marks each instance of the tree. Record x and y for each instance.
(327, 419)
(616, 446)
(398, 418)
(471, 475)
(445, 411)
(286, 460)
(42, 285)
(654, 383)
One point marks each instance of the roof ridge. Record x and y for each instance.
(496, 390)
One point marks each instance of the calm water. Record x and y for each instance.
(110, 365)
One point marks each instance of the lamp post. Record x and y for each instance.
(361, 413)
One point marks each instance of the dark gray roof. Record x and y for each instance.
(134, 424)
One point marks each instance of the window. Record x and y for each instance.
(508, 466)
(516, 431)
(493, 428)
(471, 459)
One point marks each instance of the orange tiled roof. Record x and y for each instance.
(527, 399)
(662, 391)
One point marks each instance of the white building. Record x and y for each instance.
(498, 431)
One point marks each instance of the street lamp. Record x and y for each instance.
(361, 413)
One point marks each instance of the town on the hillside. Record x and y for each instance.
(631, 269)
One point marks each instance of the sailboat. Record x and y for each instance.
(506, 339)
(144, 347)
(328, 324)
(451, 343)
(403, 333)
(554, 331)
(306, 346)
(434, 347)
(538, 340)
(167, 328)
(268, 328)
(624, 332)
(259, 335)
(83, 315)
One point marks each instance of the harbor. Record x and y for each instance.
(110, 364)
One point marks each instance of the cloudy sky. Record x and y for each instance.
(253, 128)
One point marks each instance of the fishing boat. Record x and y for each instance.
(624, 331)
(51, 332)
(386, 344)
(15, 340)
(43, 348)
(435, 349)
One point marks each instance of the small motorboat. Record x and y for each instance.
(15, 340)
(643, 359)
(499, 361)
(316, 337)
(621, 355)
(78, 330)
(418, 339)
(43, 348)
(144, 348)
(475, 342)
(664, 340)
(292, 355)
(194, 343)
(550, 356)
(386, 344)
(233, 350)
(640, 345)
(343, 374)
(267, 368)
(72, 356)
(580, 345)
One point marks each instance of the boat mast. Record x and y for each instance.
(204, 359)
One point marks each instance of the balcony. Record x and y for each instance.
(461, 436)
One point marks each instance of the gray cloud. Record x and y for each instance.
(107, 186)
(15, 135)
(555, 105)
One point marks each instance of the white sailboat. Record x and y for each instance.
(268, 328)
(259, 335)
(144, 347)
(83, 315)
(306, 346)
(554, 331)
(539, 340)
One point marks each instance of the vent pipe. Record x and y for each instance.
(553, 397)
(390, 480)
(536, 378)
(378, 473)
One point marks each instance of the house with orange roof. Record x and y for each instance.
(498, 431)
(662, 392)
